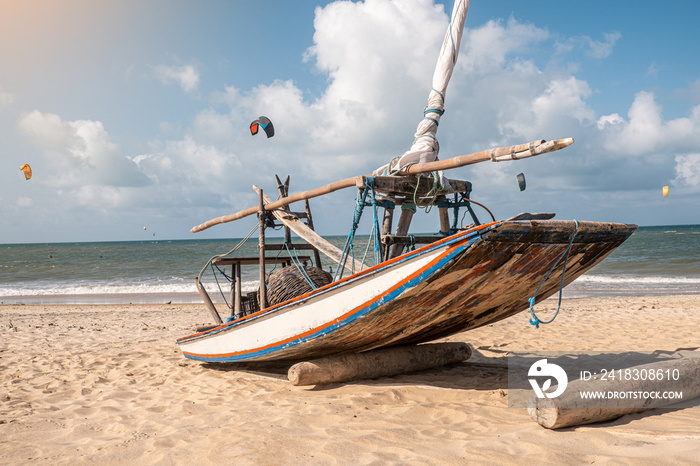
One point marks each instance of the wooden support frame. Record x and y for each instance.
(236, 264)
(308, 235)
(261, 247)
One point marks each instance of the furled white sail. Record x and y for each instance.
(425, 146)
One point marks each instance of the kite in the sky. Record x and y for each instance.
(665, 191)
(27, 171)
(265, 123)
(521, 181)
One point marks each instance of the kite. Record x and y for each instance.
(27, 171)
(521, 181)
(665, 191)
(265, 123)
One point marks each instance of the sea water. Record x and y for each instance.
(654, 260)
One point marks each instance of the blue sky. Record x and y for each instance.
(136, 113)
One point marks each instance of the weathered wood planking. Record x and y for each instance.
(462, 282)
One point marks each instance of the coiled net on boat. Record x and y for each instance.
(288, 282)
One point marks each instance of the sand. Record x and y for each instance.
(106, 384)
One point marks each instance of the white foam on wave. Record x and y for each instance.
(97, 289)
(637, 280)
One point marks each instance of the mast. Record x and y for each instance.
(425, 146)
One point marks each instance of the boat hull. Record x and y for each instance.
(461, 282)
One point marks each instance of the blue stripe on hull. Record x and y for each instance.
(361, 312)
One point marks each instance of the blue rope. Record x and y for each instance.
(436, 110)
(300, 267)
(349, 248)
(375, 226)
(535, 320)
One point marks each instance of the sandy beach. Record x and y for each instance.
(106, 384)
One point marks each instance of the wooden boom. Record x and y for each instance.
(500, 154)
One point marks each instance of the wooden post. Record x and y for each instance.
(377, 363)
(232, 293)
(386, 228)
(402, 227)
(444, 220)
(238, 298)
(387, 221)
(261, 246)
(283, 190)
(569, 409)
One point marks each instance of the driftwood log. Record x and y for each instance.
(569, 409)
(377, 363)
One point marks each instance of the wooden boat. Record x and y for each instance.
(464, 278)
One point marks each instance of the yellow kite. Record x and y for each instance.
(27, 171)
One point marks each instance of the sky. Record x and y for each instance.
(136, 113)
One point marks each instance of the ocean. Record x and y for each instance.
(655, 260)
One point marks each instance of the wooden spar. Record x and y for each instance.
(329, 188)
(207, 302)
(500, 154)
(307, 234)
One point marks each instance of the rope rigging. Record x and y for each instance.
(535, 320)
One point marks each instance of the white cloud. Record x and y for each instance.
(609, 120)
(645, 132)
(561, 105)
(378, 85)
(5, 98)
(78, 153)
(598, 49)
(688, 170)
(487, 48)
(186, 76)
(602, 49)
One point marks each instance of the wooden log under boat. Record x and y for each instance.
(377, 363)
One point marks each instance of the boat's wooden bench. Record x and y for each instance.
(256, 260)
